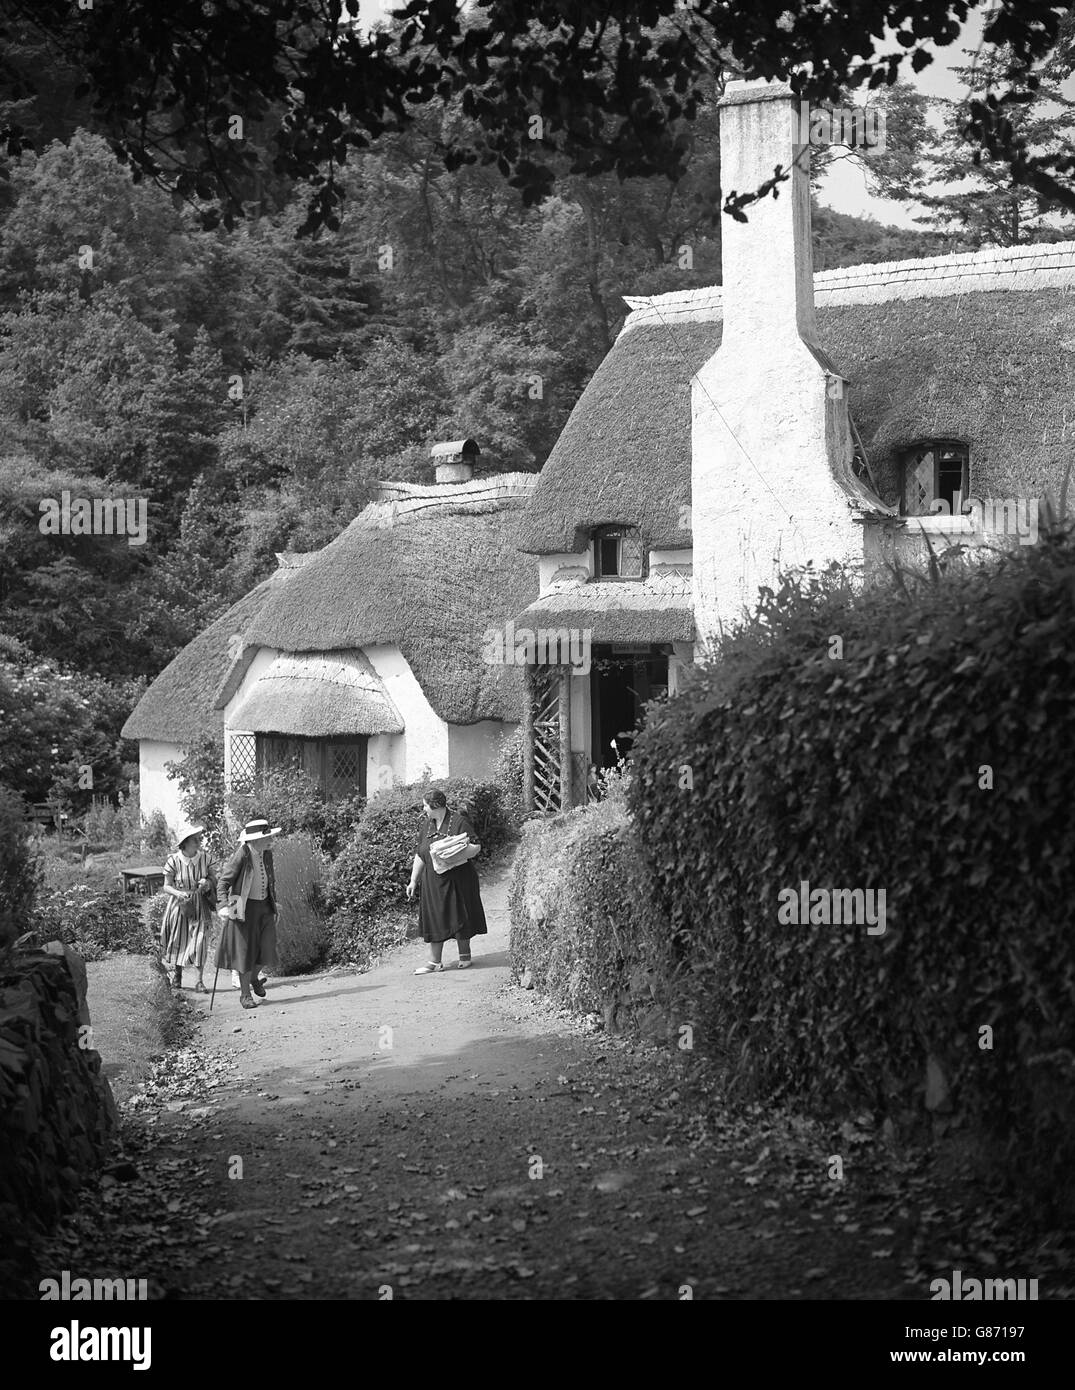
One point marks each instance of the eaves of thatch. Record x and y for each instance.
(977, 347)
(658, 610)
(179, 707)
(428, 574)
(319, 695)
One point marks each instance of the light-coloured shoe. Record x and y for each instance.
(431, 967)
(465, 963)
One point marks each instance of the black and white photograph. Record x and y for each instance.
(577, 495)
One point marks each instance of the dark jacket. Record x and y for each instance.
(234, 877)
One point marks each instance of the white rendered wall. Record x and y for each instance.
(578, 566)
(682, 558)
(156, 791)
(426, 737)
(472, 748)
(386, 759)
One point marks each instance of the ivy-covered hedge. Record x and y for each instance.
(582, 928)
(916, 738)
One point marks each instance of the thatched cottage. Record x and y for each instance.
(366, 661)
(781, 419)
(785, 418)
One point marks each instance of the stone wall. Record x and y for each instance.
(56, 1109)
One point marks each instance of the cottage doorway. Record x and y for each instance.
(622, 678)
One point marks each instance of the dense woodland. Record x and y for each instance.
(253, 384)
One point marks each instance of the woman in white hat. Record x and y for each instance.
(248, 886)
(190, 886)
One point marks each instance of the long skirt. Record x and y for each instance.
(450, 904)
(184, 941)
(246, 945)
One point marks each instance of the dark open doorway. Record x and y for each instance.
(622, 679)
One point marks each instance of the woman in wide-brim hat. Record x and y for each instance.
(190, 887)
(247, 885)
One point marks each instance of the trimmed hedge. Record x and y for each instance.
(581, 923)
(783, 762)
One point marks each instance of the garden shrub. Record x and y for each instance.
(302, 935)
(57, 722)
(128, 825)
(489, 809)
(289, 797)
(366, 888)
(200, 774)
(93, 921)
(929, 757)
(20, 867)
(361, 939)
(583, 921)
(373, 868)
(508, 775)
(99, 825)
(156, 837)
(153, 916)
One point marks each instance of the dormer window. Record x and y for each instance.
(617, 552)
(936, 470)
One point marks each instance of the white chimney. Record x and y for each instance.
(771, 477)
(455, 460)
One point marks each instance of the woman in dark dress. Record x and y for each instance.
(450, 904)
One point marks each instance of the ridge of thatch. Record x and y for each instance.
(179, 706)
(1041, 266)
(318, 695)
(430, 582)
(993, 369)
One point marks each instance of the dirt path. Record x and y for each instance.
(451, 1136)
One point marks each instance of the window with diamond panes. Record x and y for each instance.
(934, 471)
(344, 770)
(243, 762)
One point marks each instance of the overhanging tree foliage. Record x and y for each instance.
(605, 83)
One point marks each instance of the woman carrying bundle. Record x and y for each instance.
(450, 904)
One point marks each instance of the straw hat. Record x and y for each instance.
(257, 832)
(185, 831)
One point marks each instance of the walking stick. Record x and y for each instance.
(227, 924)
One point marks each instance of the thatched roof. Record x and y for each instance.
(658, 610)
(996, 371)
(928, 354)
(179, 707)
(624, 455)
(429, 573)
(317, 696)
